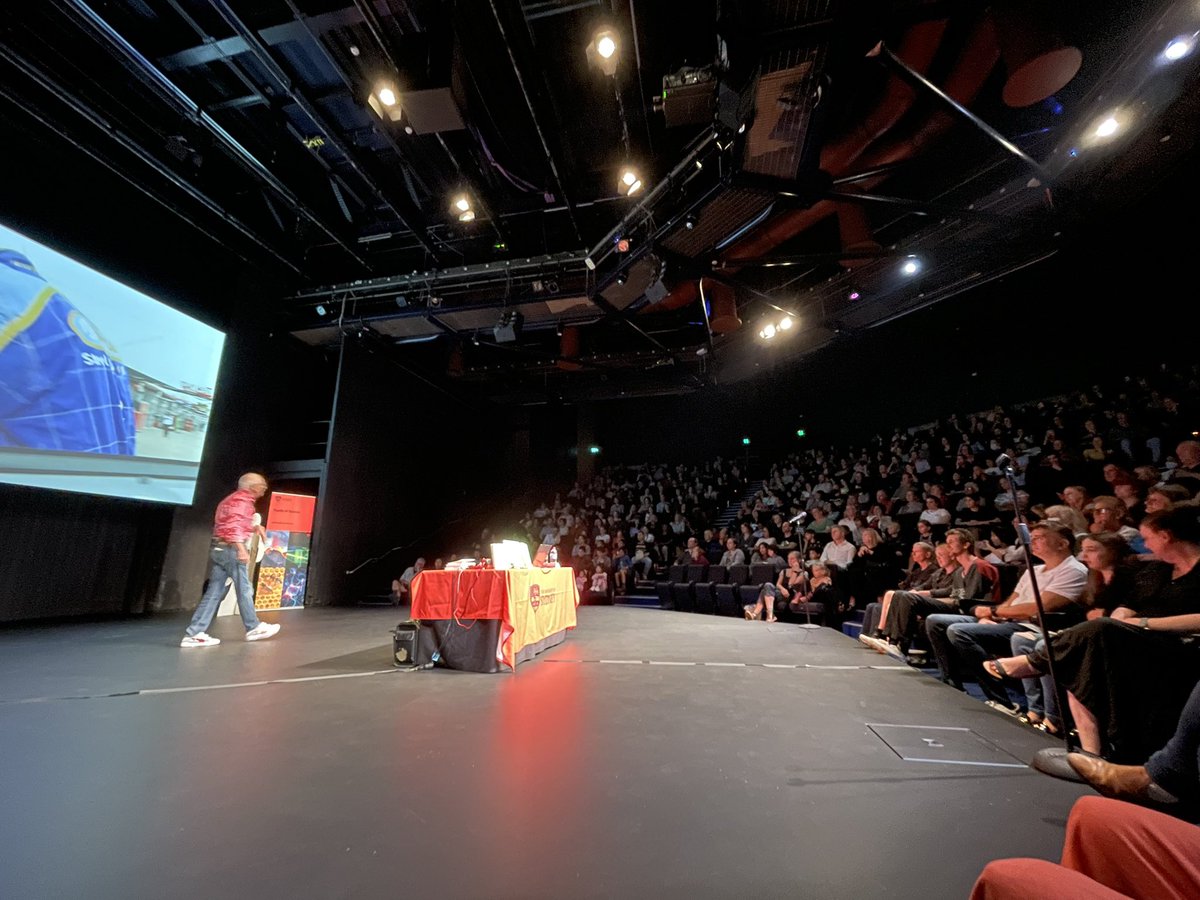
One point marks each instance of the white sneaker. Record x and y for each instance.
(199, 640)
(873, 642)
(262, 631)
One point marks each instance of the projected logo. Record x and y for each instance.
(90, 334)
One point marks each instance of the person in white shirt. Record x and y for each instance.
(934, 514)
(1061, 580)
(839, 551)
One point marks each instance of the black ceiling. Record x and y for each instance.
(819, 147)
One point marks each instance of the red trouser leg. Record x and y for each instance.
(1133, 850)
(1020, 879)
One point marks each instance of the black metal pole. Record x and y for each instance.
(1023, 536)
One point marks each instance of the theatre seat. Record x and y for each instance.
(761, 573)
(682, 597)
(663, 589)
(677, 573)
(705, 591)
(728, 599)
(696, 572)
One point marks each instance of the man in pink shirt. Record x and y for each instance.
(232, 526)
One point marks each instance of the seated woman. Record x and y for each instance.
(792, 580)
(820, 590)
(1111, 572)
(1127, 677)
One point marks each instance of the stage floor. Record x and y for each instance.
(653, 754)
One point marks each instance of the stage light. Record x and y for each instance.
(746, 441)
(785, 323)
(602, 51)
(622, 278)
(1108, 127)
(854, 295)
(767, 332)
(623, 245)
(630, 182)
(462, 204)
(320, 310)
(384, 99)
(594, 450)
(1178, 49)
(800, 432)
(468, 216)
(689, 223)
(911, 266)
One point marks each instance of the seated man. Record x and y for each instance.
(973, 580)
(402, 586)
(973, 640)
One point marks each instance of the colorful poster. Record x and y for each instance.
(283, 572)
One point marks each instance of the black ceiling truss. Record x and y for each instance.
(152, 77)
(405, 212)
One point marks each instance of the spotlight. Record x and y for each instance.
(623, 245)
(767, 332)
(854, 295)
(320, 310)
(594, 450)
(622, 278)
(911, 266)
(385, 101)
(630, 182)
(746, 441)
(468, 216)
(690, 222)
(462, 204)
(401, 301)
(785, 323)
(1178, 49)
(1108, 127)
(602, 51)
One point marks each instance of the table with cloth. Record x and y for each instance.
(488, 618)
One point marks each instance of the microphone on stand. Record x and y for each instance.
(796, 518)
(1004, 461)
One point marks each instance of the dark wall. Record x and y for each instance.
(73, 554)
(409, 466)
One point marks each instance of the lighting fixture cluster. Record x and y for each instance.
(771, 329)
(462, 208)
(630, 182)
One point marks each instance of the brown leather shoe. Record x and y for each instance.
(1120, 782)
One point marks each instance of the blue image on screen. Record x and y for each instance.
(102, 389)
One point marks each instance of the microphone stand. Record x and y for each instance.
(1023, 535)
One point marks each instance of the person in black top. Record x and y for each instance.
(1129, 676)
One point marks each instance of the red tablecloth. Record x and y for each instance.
(532, 603)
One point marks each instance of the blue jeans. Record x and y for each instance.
(1039, 691)
(225, 565)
